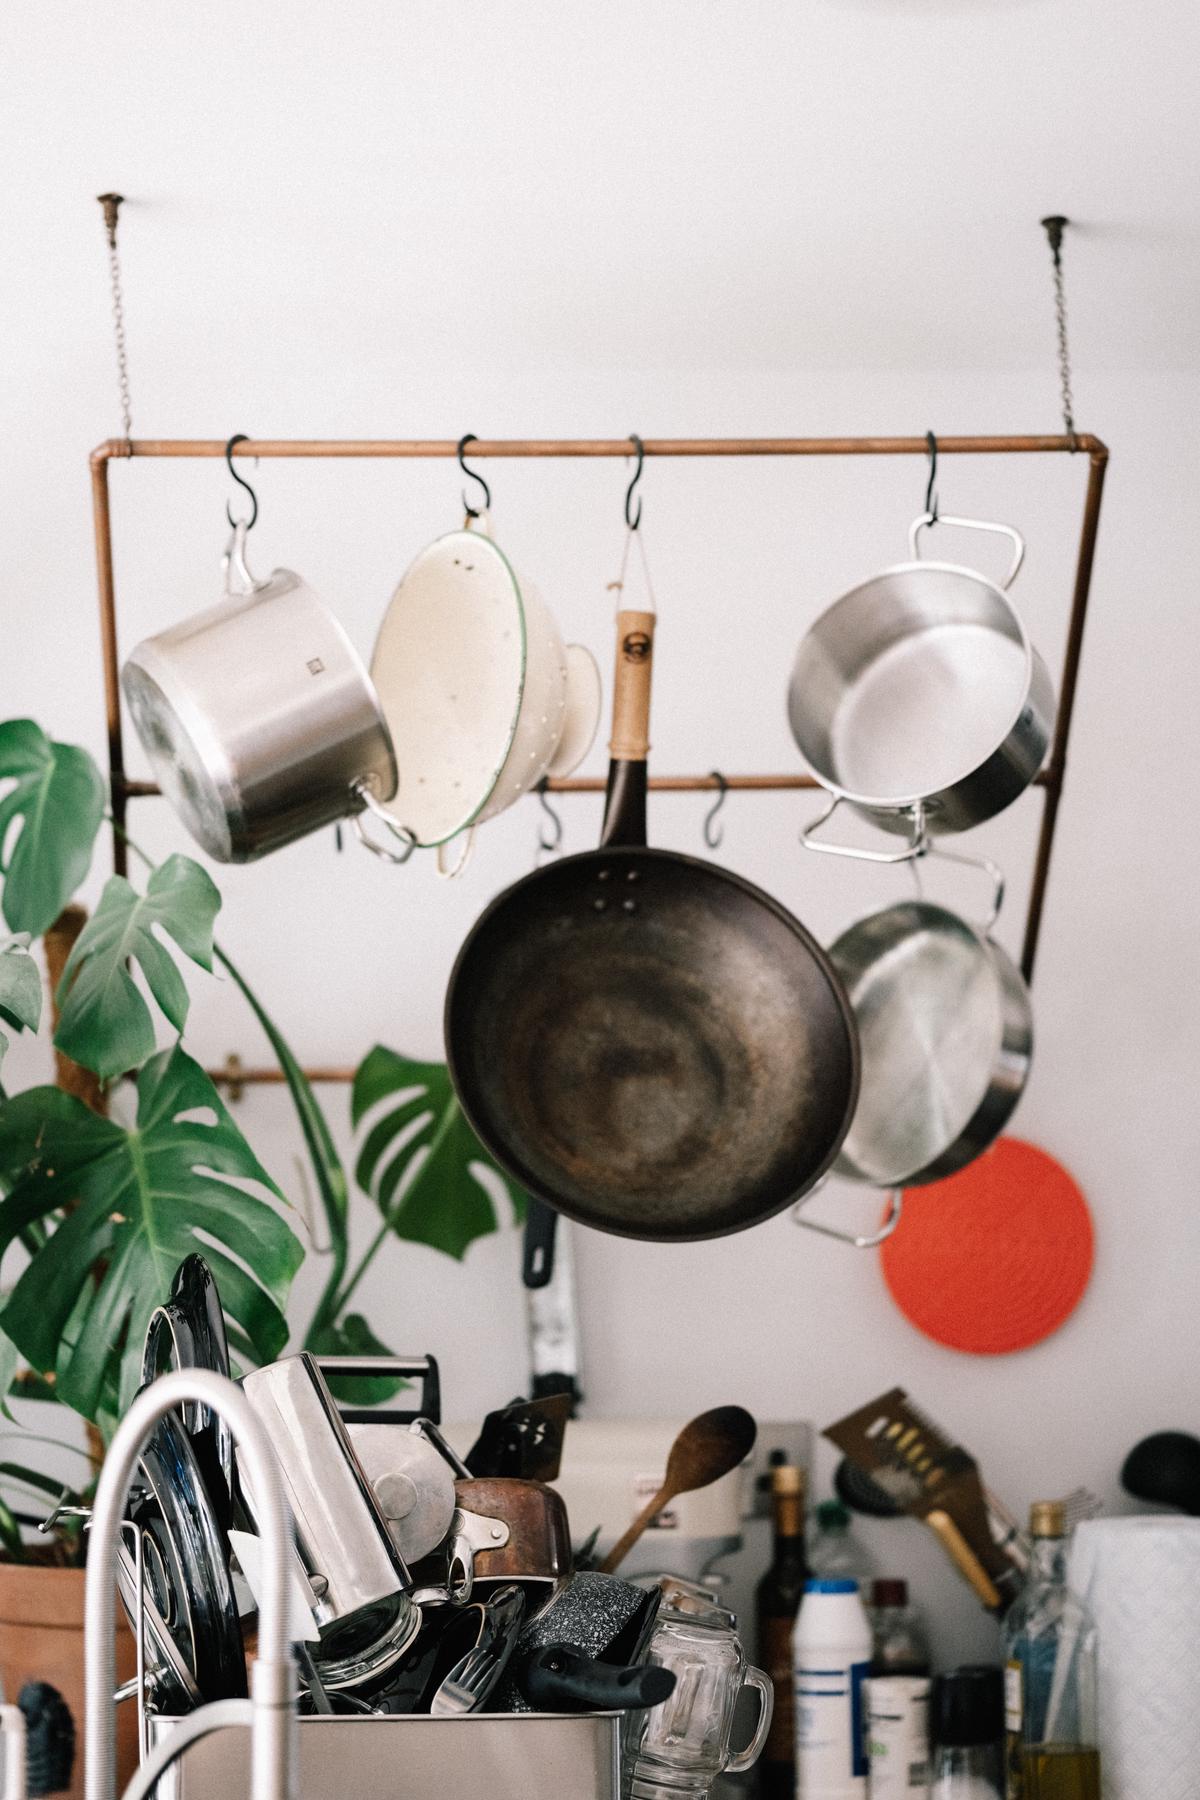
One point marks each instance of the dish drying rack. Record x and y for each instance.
(1050, 779)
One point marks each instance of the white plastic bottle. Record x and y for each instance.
(831, 1659)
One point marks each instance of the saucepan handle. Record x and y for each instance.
(982, 926)
(1014, 537)
(745, 1759)
(373, 1367)
(917, 846)
(864, 1242)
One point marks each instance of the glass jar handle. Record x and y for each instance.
(745, 1759)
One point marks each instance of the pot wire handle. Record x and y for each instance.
(982, 926)
(451, 871)
(362, 791)
(917, 847)
(935, 518)
(860, 1242)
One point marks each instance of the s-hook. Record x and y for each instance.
(239, 437)
(473, 475)
(713, 833)
(547, 846)
(931, 499)
(632, 519)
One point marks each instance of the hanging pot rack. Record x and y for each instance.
(1050, 780)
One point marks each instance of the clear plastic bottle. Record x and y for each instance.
(831, 1649)
(834, 1552)
(1050, 1676)
(900, 1646)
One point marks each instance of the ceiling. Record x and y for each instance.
(743, 184)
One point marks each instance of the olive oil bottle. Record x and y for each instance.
(1050, 1676)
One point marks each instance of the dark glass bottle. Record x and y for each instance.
(778, 1601)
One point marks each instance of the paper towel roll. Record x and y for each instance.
(1140, 1577)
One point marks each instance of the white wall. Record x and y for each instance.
(299, 262)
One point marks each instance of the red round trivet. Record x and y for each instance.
(994, 1258)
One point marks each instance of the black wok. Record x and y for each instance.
(644, 1041)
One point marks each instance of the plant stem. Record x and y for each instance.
(327, 1167)
(343, 1299)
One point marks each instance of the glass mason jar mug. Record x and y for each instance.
(681, 1746)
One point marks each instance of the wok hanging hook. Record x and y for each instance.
(473, 475)
(714, 833)
(239, 437)
(547, 846)
(632, 519)
(931, 498)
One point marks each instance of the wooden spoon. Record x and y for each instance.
(707, 1448)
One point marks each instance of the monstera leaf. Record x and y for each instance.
(106, 1024)
(418, 1161)
(352, 1336)
(20, 989)
(139, 1199)
(58, 797)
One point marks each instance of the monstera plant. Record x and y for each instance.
(105, 1201)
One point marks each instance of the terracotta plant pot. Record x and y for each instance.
(41, 1639)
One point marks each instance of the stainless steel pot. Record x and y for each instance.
(259, 719)
(946, 1031)
(918, 698)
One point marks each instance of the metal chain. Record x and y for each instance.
(1054, 228)
(111, 203)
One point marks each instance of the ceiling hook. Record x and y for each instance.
(632, 519)
(547, 846)
(931, 499)
(714, 833)
(239, 437)
(473, 475)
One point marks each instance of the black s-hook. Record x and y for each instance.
(632, 519)
(239, 437)
(473, 475)
(713, 833)
(931, 499)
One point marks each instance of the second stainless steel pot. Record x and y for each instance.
(918, 699)
(946, 1034)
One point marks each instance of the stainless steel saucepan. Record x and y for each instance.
(259, 719)
(946, 1031)
(917, 698)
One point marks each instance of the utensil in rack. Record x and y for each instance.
(933, 1479)
(708, 1447)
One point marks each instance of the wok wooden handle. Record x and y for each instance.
(630, 740)
(963, 1557)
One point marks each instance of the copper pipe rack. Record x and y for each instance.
(1091, 449)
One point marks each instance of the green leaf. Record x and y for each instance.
(20, 989)
(142, 1198)
(106, 1024)
(10, 1536)
(418, 1161)
(352, 1336)
(58, 796)
(10, 1358)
